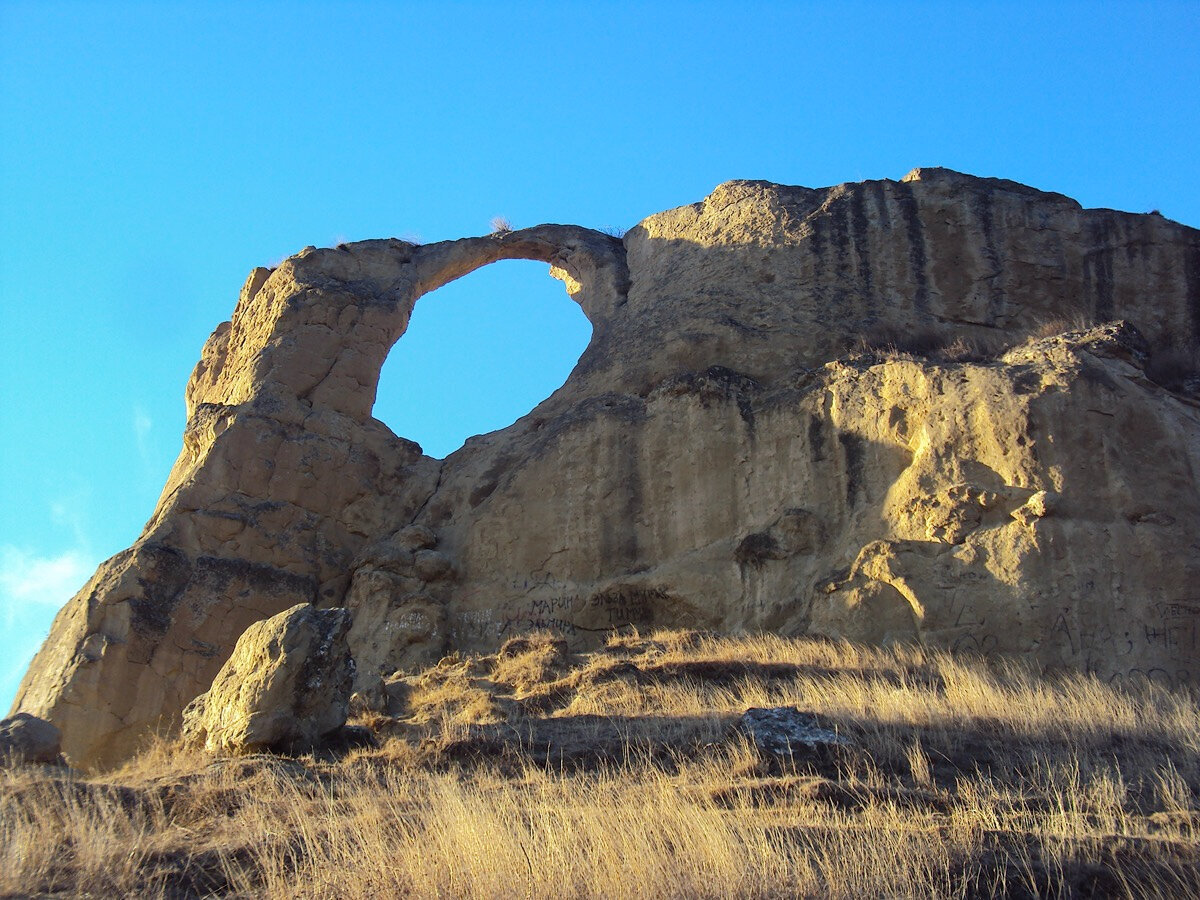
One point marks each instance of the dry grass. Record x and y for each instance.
(941, 345)
(928, 343)
(1070, 320)
(536, 773)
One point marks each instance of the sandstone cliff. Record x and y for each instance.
(719, 457)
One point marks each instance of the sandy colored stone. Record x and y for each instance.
(720, 457)
(286, 685)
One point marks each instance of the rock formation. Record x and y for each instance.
(286, 685)
(720, 456)
(27, 739)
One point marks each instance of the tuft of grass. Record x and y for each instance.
(623, 772)
(526, 664)
(452, 693)
(1076, 320)
(501, 225)
(928, 343)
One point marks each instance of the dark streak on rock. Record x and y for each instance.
(1098, 268)
(164, 576)
(715, 384)
(491, 478)
(1192, 276)
(881, 202)
(852, 448)
(917, 257)
(816, 438)
(839, 225)
(983, 205)
(862, 249)
(619, 532)
(755, 549)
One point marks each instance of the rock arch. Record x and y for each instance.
(284, 475)
(479, 354)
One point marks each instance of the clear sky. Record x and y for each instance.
(152, 154)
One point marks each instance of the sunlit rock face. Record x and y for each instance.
(718, 458)
(286, 686)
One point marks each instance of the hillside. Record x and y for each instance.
(623, 771)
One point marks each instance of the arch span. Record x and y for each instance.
(479, 354)
(591, 264)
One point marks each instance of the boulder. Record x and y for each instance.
(28, 739)
(286, 686)
(786, 731)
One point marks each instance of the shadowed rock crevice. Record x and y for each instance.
(1007, 501)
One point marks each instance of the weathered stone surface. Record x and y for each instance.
(718, 458)
(286, 685)
(28, 739)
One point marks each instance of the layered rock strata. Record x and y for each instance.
(716, 458)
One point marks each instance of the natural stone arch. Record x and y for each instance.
(315, 332)
(591, 264)
(284, 475)
(480, 354)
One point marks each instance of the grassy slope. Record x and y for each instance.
(621, 773)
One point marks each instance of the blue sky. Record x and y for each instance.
(152, 154)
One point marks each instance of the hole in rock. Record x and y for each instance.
(479, 353)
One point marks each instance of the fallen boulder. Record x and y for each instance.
(286, 686)
(28, 739)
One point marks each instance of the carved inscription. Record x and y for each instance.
(571, 613)
(1168, 636)
(1175, 629)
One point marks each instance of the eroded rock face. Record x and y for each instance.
(717, 458)
(286, 685)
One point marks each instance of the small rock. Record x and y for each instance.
(782, 730)
(285, 687)
(415, 537)
(431, 565)
(28, 739)
(1038, 506)
(368, 700)
(349, 737)
(398, 693)
(390, 557)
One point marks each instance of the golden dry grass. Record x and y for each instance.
(621, 773)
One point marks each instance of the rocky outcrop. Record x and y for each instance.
(26, 739)
(722, 455)
(286, 685)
